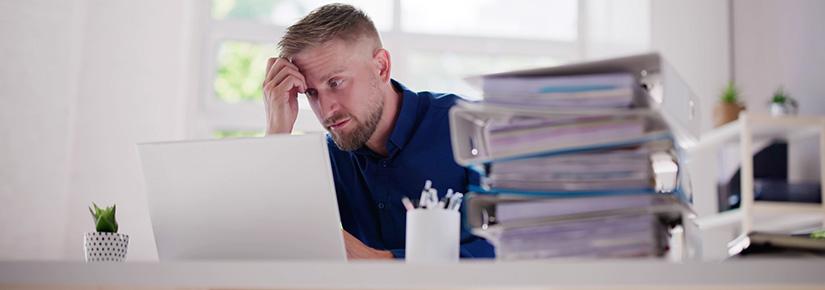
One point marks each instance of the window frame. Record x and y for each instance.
(212, 115)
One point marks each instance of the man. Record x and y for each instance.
(385, 139)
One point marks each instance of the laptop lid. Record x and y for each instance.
(269, 198)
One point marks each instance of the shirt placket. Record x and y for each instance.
(383, 198)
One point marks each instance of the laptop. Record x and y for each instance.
(269, 198)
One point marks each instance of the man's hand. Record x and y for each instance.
(357, 250)
(281, 86)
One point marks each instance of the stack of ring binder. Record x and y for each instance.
(576, 161)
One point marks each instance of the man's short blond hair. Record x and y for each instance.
(328, 22)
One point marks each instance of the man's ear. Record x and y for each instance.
(381, 57)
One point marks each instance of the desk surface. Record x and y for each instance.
(787, 273)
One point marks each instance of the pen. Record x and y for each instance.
(423, 199)
(407, 203)
(455, 201)
(443, 201)
(432, 198)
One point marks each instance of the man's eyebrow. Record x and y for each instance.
(327, 76)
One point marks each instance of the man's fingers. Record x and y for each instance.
(294, 82)
(288, 83)
(270, 62)
(284, 87)
(288, 71)
(277, 66)
(280, 69)
(272, 69)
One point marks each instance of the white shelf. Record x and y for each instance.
(747, 131)
(754, 126)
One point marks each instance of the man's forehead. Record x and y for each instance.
(321, 74)
(317, 62)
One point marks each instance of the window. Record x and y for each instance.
(528, 19)
(434, 45)
(286, 12)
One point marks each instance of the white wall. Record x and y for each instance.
(40, 56)
(782, 43)
(133, 88)
(760, 44)
(616, 28)
(693, 35)
(82, 82)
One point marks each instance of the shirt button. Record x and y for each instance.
(384, 164)
(381, 205)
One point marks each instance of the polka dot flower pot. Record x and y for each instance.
(105, 247)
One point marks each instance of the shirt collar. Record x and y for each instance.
(407, 118)
(405, 122)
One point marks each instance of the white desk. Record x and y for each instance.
(751, 274)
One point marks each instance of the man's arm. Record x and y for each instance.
(357, 250)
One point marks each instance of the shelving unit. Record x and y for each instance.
(766, 216)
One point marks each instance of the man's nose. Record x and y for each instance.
(328, 104)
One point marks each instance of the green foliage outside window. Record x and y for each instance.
(241, 69)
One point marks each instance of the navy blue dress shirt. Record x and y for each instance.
(370, 187)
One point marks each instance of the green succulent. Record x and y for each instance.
(730, 94)
(104, 219)
(779, 96)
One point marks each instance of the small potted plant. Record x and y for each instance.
(105, 244)
(729, 106)
(782, 104)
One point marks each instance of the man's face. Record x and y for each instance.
(343, 90)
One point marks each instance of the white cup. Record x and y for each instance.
(433, 235)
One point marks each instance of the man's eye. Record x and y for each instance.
(311, 93)
(335, 83)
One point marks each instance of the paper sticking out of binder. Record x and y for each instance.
(565, 155)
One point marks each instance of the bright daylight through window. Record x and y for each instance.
(432, 47)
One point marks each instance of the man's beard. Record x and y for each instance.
(362, 131)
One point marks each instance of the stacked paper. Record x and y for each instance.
(589, 91)
(537, 134)
(616, 169)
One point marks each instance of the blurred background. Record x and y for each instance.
(83, 81)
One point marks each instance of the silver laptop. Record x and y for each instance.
(269, 198)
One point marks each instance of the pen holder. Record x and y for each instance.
(433, 235)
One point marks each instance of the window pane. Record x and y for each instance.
(287, 12)
(240, 72)
(445, 72)
(536, 19)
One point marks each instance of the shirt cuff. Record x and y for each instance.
(398, 253)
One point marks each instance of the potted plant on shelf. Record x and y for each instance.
(728, 108)
(782, 104)
(105, 244)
